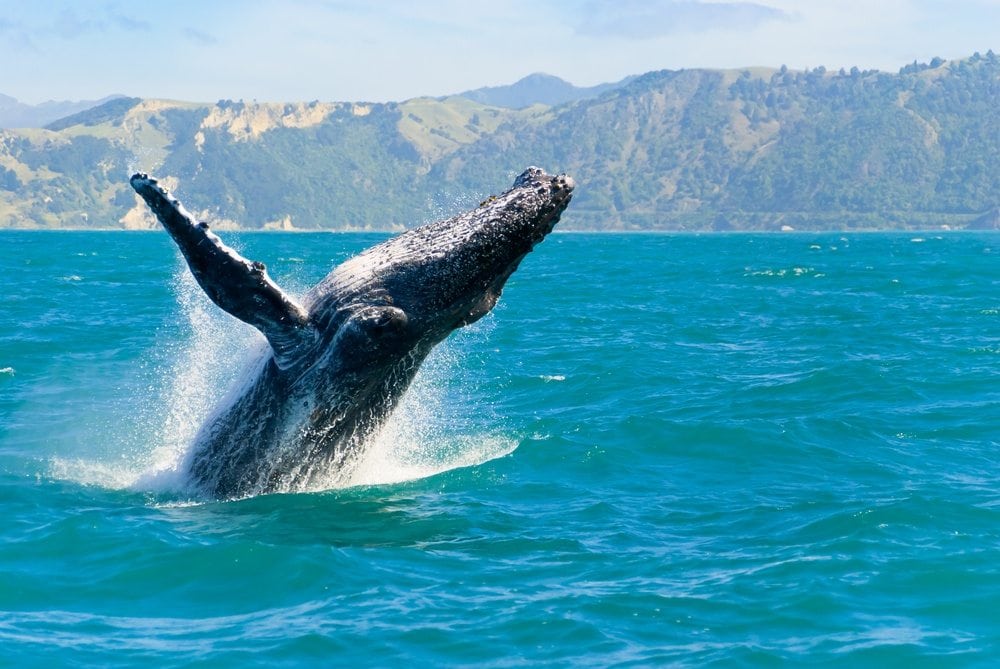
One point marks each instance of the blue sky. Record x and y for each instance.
(204, 50)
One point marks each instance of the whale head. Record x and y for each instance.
(451, 273)
(416, 288)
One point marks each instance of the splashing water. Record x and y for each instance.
(427, 434)
(179, 386)
(219, 348)
(424, 435)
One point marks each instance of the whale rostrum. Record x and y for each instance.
(341, 356)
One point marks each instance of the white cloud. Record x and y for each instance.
(199, 37)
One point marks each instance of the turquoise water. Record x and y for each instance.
(729, 450)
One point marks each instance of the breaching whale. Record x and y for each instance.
(340, 357)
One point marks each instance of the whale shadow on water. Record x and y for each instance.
(324, 404)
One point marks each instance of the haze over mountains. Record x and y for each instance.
(15, 114)
(538, 88)
(755, 149)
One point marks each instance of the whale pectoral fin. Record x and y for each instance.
(239, 286)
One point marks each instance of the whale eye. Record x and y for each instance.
(373, 334)
(382, 322)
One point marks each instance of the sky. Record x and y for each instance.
(349, 50)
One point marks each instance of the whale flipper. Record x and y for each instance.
(239, 286)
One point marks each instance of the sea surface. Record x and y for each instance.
(659, 450)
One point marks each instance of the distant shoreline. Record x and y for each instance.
(692, 150)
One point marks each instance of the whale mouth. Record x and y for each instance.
(563, 185)
(557, 191)
(560, 192)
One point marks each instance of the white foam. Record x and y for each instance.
(112, 475)
(396, 461)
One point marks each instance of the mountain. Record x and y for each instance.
(767, 149)
(535, 89)
(753, 149)
(14, 114)
(337, 165)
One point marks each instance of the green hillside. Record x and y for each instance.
(748, 149)
(688, 150)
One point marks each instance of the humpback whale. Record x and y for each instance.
(340, 357)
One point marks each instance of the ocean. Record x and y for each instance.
(658, 450)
